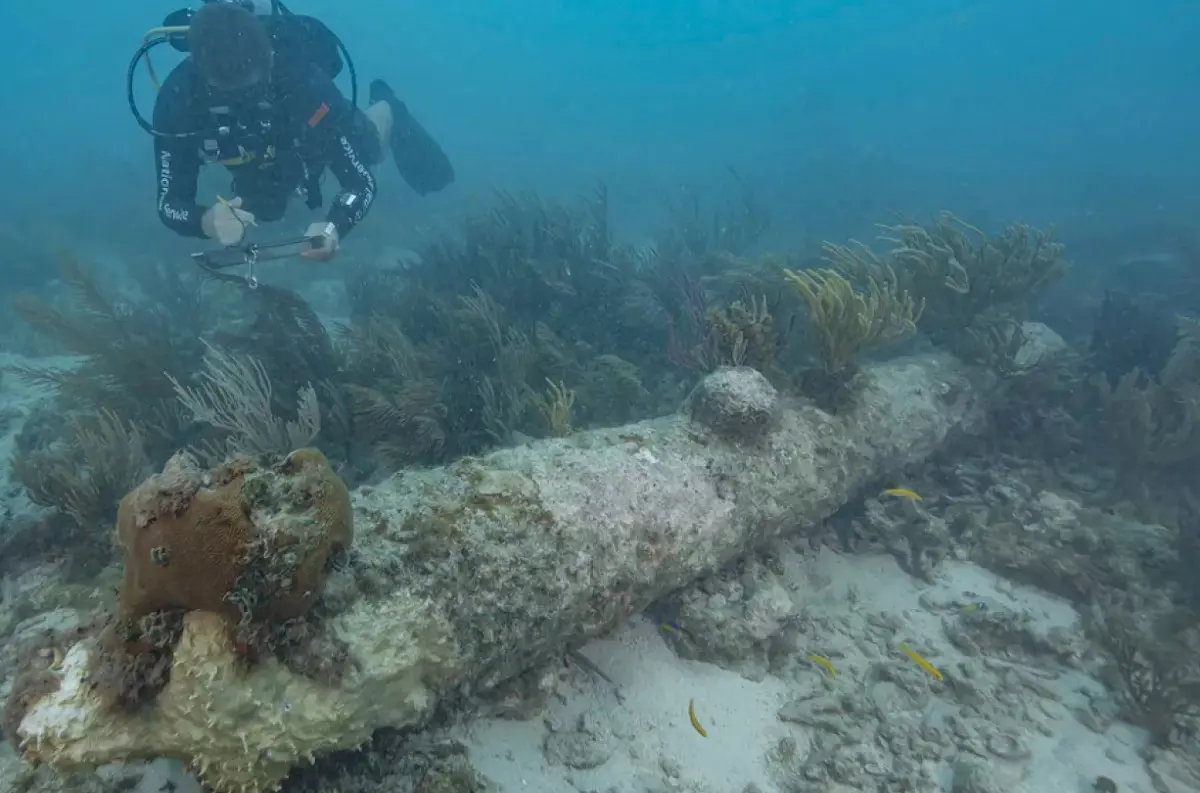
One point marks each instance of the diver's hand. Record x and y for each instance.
(226, 222)
(329, 242)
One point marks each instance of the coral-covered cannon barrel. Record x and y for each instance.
(461, 576)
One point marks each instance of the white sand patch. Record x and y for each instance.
(643, 741)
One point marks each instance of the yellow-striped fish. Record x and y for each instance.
(825, 662)
(921, 662)
(903, 492)
(696, 725)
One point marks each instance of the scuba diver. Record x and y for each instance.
(256, 94)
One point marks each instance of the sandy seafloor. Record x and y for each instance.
(646, 735)
(1040, 729)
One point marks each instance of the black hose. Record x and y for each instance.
(143, 52)
(350, 70)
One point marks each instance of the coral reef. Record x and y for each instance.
(973, 286)
(494, 565)
(962, 272)
(1053, 542)
(452, 354)
(1122, 572)
(848, 322)
(140, 370)
(1155, 672)
(741, 334)
(698, 232)
(554, 405)
(919, 539)
(246, 641)
(235, 396)
(1130, 333)
(857, 718)
(128, 355)
(533, 309)
(82, 477)
(1156, 421)
(530, 321)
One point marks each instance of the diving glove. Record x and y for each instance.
(226, 221)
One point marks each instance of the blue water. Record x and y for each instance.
(1083, 114)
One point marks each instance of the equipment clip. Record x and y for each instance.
(251, 260)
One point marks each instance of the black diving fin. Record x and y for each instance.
(419, 158)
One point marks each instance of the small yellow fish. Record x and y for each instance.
(695, 722)
(921, 662)
(903, 492)
(825, 662)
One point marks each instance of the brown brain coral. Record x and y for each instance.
(250, 540)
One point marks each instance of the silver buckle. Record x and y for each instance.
(251, 260)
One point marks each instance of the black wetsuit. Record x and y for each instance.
(311, 127)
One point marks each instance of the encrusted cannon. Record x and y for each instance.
(465, 576)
